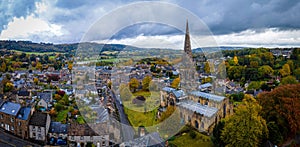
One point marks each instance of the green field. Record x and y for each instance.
(37, 53)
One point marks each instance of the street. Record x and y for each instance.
(8, 140)
(127, 130)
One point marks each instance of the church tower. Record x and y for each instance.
(187, 42)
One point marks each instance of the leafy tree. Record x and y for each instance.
(246, 127)
(254, 64)
(58, 107)
(36, 81)
(265, 71)
(175, 83)
(275, 135)
(236, 72)
(235, 60)
(288, 80)
(206, 67)
(39, 66)
(281, 106)
(297, 73)
(216, 137)
(291, 64)
(70, 66)
(3, 67)
(285, 71)
(8, 87)
(134, 84)
(146, 81)
(57, 97)
(254, 85)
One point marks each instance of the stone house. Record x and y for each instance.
(38, 126)
(14, 118)
(82, 134)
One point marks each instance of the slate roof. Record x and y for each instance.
(10, 108)
(23, 93)
(24, 113)
(59, 128)
(206, 85)
(149, 140)
(168, 89)
(38, 119)
(178, 93)
(208, 96)
(45, 96)
(197, 107)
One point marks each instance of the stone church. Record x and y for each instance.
(198, 109)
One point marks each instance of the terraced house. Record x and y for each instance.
(15, 119)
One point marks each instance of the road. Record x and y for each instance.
(127, 130)
(8, 140)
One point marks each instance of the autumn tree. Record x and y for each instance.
(265, 71)
(285, 71)
(175, 83)
(206, 67)
(39, 66)
(246, 127)
(70, 66)
(288, 80)
(282, 106)
(134, 84)
(235, 60)
(36, 81)
(146, 81)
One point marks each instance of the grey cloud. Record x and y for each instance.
(11, 9)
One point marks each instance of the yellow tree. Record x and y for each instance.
(175, 83)
(146, 82)
(70, 66)
(207, 67)
(36, 81)
(39, 66)
(134, 84)
(235, 60)
(246, 127)
(285, 71)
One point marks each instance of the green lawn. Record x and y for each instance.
(186, 140)
(140, 118)
(145, 114)
(152, 101)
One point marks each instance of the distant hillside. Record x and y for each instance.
(28, 46)
(217, 48)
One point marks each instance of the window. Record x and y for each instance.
(33, 134)
(39, 129)
(12, 128)
(91, 137)
(19, 123)
(81, 137)
(33, 128)
(2, 125)
(12, 119)
(1, 116)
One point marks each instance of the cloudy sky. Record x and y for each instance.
(254, 23)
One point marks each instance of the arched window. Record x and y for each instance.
(196, 124)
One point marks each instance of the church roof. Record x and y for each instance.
(208, 96)
(197, 107)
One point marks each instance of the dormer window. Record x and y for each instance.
(12, 119)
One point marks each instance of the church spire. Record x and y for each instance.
(187, 42)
